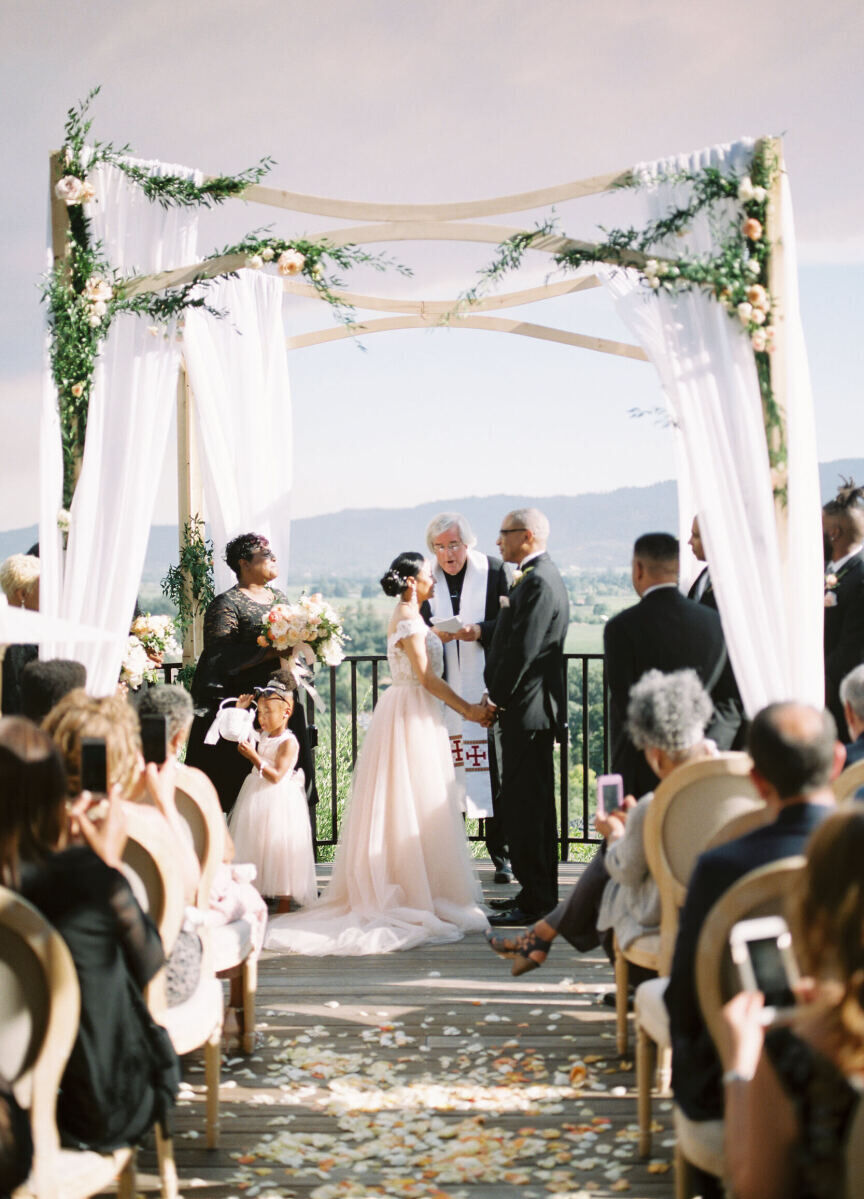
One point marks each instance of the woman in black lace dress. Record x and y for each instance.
(792, 1093)
(233, 663)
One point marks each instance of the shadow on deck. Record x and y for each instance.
(428, 1073)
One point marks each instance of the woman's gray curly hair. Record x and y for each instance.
(668, 711)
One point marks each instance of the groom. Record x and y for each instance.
(525, 687)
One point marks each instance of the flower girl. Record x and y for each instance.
(270, 821)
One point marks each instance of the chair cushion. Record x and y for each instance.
(701, 1142)
(644, 951)
(651, 1012)
(189, 1024)
(231, 944)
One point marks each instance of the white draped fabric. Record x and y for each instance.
(238, 371)
(129, 420)
(769, 596)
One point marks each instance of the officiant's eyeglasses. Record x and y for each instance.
(504, 532)
(451, 547)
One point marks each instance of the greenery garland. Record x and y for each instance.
(84, 293)
(737, 275)
(190, 585)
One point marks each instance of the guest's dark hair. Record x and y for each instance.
(403, 567)
(848, 506)
(33, 786)
(44, 684)
(244, 548)
(792, 746)
(661, 548)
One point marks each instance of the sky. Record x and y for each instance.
(416, 101)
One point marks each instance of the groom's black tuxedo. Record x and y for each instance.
(525, 679)
(844, 635)
(665, 631)
(708, 598)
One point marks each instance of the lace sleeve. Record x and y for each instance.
(221, 622)
(407, 628)
(136, 932)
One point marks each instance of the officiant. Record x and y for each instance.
(468, 586)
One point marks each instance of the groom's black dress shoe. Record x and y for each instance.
(503, 905)
(514, 918)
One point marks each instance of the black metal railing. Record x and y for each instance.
(342, 717)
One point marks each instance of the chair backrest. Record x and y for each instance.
(762, 892)
(40, 1004)
(848, 781)
(855, 1154)
(198, 806)
(149, 864)
(688, 810)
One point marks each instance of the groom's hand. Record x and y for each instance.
(468, 632)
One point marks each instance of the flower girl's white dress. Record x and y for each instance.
(402, 874)
(270, 827)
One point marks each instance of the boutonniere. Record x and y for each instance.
(504, 601)
(519, 575)
(831, 582)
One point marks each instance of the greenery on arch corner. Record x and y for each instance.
(190, 585)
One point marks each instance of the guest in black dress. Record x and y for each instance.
(233, 664)
(121, 1076)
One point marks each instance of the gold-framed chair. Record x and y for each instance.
(40, 1005)
(232, 947)
(697, 806)
(148, 862)
(762, 892)
(848, 782)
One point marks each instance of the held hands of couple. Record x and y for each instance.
(468, 632)
(479, 714)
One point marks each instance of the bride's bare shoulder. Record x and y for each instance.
(401, 612)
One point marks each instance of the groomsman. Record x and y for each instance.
(664, 631)
(525, 684)
(468, 584)
(843, 527)
(702, 590)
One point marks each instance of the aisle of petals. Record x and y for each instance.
(420, 1113)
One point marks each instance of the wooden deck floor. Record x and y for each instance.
(428, 1073)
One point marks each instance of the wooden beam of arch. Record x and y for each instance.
(511, 299)
(493, 324)
(360, 210)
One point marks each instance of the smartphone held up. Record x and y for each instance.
(762, 950)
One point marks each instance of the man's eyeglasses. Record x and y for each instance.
(504, 532)
(450, 548)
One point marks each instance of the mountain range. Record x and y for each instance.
(591, 531)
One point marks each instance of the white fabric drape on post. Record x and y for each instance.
(127, 429)
(766, 599)
(238, 371)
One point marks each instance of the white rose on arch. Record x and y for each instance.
(290, 262)
(745, 312)
(68, 189)
(98, 289)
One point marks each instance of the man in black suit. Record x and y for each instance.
(469, 585)
(843, 526)
(702, 589)
(795, 754)
(525, 685)
(665, 631)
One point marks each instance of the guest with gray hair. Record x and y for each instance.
(469, 585)
(667, 715)
(175, 704)
(852, 698)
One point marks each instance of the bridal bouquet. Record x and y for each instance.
(157, 635)
(137, 667)
(310, 629)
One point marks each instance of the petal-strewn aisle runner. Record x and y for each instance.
(428, 1073)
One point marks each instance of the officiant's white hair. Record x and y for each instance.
(443, 521)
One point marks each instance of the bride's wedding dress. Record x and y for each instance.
(402, 874)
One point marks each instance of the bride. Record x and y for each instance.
(402, 874)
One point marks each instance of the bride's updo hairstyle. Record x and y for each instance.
(403, 567)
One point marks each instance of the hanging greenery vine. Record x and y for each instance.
(84, 293)
(190, 585)
(736, 276)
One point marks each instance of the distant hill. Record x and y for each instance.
(590, 531)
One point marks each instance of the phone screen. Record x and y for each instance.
(769, 967)
(154, 738)
(94, 765)
(610, 794)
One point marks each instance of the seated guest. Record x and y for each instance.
(852, 698)
(666, 719)
(43, 684)
(791, 1093)
(795, 755)
(16, 1142)
(664, 631)
(843, 526)
(121, 1076)
(113, 720)
(19, 578)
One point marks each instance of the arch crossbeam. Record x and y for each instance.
(512, 299)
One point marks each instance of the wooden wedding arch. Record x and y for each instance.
(454, 221)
